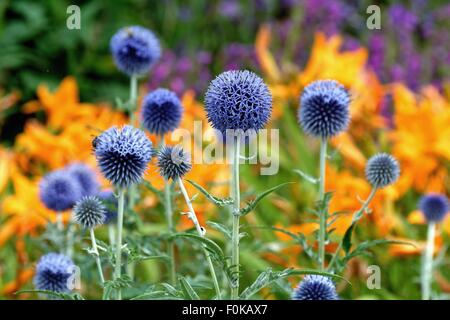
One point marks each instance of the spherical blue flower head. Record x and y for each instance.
(315, 287)
(173, 162)
(382, 170)
(59, 190)
(238, 100)
(161, 111)
(135, 49)
(110, 202)
(434, 207)
(89, 212)
(324, 109)
(52, 272)
(123, 154)
(86, 177)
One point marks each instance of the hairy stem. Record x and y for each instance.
(235, 193)
(427, 267)
(323, 215)
(118, 265)
(201, 233)
(97, 255)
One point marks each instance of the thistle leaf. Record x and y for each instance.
(215, 200)
(187, 289)
(209, 244)
(306, 176)
(220, 227)
(252, 204)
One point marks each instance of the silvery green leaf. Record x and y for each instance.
(217, 201)
(252, 204)
(306, 176)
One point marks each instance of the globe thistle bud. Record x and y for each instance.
(86, 177)
(238, 100)
(173, 162)
(434, 207)
(315, 287)
(123, 154)
(135, 49)
(110, 202)
(59, 191)
(52, 272)
(324, 109)
(382, 170)
(161, 111)
(89, 212)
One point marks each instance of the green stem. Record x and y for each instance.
(118, 265)
(59, 222)
(201, 233)
(323, 215)
(236, 214)
(97, 256)
(356, 216)
(133, 98)
(111, 235)
(427, 268)
(70, 239)
(170, 228)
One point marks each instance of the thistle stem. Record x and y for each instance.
(97, 255)
(235, 193)
(323, 217)
(133, 98)
(170, 228)
(118, 264)
(427, 268)
(59, 221)
(356, 217)
(201, 233)
(111, 234)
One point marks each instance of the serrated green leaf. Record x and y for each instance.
(347, 239)
(210, 245)
(364, 246)
(215, 200)
(60, 295)
(252, 204)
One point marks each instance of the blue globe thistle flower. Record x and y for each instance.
(89, 212)
(86, 177)
(122, 155)
(52, 272)
(238, 100)
(434, 207)
(315, 287)
(135, 49)
(324, 110)
(161, 111)
(173, 162)
(382, 170)
(59, 190)
(110, 202)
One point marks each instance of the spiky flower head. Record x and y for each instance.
(434, 207)
(173, 162)
(59, 190)
(382, 170)
(86, 177)
(52, 272)
(110, 202)
(89, 212)
(135, 49)
(123, 154)
(324, 109)
(161, 111)
(238, 100)
(315, 287)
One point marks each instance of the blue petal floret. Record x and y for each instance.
(324, 109)
(382, 170)
(238, 100)
(59, 190)
(315, 287)
(52, 272)
(123, 154)
(173, 162)
(135, 49)
(161, 111)
(434, 207)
